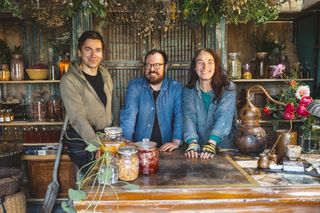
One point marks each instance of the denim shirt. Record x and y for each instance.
(137, 116)
(218, 120)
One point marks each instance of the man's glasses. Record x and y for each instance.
(155, 66)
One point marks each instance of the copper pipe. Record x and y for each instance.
(265, 92)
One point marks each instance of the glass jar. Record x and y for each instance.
(247, 72)
(262, 65)
(54, 105)
(39, 109)
(234, 66)
(108, 173)
(310, 140)
(5, 73)
(148, 156)
(17, 67)
(128, 164)
(112, 140)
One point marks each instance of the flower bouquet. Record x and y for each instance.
(296, 95)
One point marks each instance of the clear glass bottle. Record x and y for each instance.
(234, 66)
(148, 156)
(17, 67)
(128, 164)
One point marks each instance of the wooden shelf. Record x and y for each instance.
(32, 123)
(279, 121)
(30, 82)
(40, 144)
(269, 80)
(43, 157)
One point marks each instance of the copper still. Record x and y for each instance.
(250, 136)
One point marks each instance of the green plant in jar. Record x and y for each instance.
(102, 173)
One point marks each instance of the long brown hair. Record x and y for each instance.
(219, 80)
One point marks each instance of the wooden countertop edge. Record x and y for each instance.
(43, 157)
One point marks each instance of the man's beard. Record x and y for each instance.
(154, 79)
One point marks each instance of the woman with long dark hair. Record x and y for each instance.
(209, 107)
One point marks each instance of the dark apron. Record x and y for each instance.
(75, 148)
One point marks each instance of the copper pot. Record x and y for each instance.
(285, 139)
(250, 139)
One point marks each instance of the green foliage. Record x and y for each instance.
(307, 126)
(67, 208)
(96, 7)
(10, 6)
(236, 12)
(130, 186)
(91, 148)
(268, 44)
(76, 195)
(256, 11)
(203, 11)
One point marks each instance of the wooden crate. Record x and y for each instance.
(40, 175)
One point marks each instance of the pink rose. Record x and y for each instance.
(303, 104)
(306, 100)
(288, 112)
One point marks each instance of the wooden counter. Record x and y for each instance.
(204, 185)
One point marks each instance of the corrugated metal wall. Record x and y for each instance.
(125, 51)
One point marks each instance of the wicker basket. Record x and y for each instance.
(10, 180)
(15, 203)
(10, 154)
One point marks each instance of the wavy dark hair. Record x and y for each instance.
(90, 34)
(219, 81)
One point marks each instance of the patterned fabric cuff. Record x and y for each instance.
(193, 146)
(210, 148)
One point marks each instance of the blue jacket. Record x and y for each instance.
(137, 116)
(219, 120)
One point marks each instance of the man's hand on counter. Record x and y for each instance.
(168, 147)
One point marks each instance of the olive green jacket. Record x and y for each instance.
(85, 110)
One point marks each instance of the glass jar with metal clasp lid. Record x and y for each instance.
(148, 156)
(234, 65)
(128, 163)
(111, 140)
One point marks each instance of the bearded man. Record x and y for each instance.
(153, 107)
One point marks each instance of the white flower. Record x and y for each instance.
(302, 91)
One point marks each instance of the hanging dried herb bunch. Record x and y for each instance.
(48, 13)
(145, 15)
